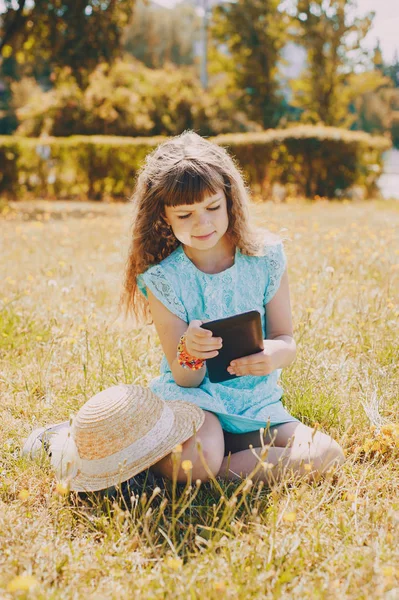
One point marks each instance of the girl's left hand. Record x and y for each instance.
(261, 363)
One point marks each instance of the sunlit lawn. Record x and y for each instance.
(61, 341)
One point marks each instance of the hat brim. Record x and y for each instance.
(188, 419)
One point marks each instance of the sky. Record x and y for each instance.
(385, 26)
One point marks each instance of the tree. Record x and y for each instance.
(39, 39)
(332, 36)
(253, 33)
(57, 33)
(157, 35)
(125, 99)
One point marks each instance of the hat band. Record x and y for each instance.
(136, 451)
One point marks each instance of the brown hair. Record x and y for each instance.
(181, 170)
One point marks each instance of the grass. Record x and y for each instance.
(61, 341)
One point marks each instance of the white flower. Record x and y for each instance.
(52, 283)
(329, 269)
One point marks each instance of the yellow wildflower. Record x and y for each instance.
(219, 586)
(22, 583)
(23, 495)
(187, 465)
(289, 517)
(61, 489)
(174, 563)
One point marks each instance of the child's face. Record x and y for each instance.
(200, 225)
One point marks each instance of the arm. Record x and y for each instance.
(279, 329)
(279, 347)
(170, 328)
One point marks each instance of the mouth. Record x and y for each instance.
(203, 237)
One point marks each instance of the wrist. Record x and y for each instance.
(187, 378)
(185, 359)
(283, 351)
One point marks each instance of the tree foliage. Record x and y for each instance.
(254, 32)
(125, 99)
(158, 35)
(46, 34)
(332, 36)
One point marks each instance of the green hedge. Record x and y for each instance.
(311, 160)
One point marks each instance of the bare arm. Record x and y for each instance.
(279, 330)
(170, 328)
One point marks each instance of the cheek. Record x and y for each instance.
(184, 237)
(181, 229)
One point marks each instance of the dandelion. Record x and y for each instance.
(289, 517)
(174, 563)
(187, 465)
(23, 495)
(219, 586)
(350, 497)
(178, 448)
(307, 467)
(61, 489)
(22, 583)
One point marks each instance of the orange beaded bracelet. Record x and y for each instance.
(185, 359)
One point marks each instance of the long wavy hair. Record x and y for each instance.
(179, 171)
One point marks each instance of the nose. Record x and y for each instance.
(203, 219)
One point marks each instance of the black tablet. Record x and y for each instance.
(241, 334)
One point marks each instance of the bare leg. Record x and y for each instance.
(305, 452)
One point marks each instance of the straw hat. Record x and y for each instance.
(118, 433)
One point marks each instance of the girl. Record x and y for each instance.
(195, 256)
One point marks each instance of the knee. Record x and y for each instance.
(211, 452)
(328, 455)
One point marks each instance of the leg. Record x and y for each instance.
(211, 436)
(277, 435)
(295, 447)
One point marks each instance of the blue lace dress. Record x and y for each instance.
(244, 403)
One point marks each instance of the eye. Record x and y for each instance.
(189, 215)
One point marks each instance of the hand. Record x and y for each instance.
(200, 343)
(261, 363)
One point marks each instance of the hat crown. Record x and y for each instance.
(114, 419)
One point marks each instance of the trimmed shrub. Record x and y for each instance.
(313, 161)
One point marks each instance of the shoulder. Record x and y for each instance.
(270, 243)
(165, 266)
(266, 245)
(162, 280)
(174, 259)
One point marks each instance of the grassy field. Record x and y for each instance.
(61, 341)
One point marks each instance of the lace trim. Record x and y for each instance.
(155, 279)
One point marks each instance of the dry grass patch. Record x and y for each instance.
(61, 341)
